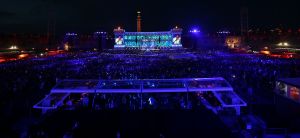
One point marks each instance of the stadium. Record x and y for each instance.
(148, 84)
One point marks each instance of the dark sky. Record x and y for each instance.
(91, 15)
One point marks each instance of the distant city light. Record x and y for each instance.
(13, 47)
(283, 44)
(23, 55)
(266, 52)
(233, 42)
(71, 34)
(100, 32)
(223, 32)
(2, 60)
(66, 46)
(194, 31)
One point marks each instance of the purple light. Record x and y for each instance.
(223, 32)
(194, 31)
(71, 34)
(100, 32)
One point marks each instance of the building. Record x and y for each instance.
(233, 42)
(96, 41)
(287, 101)
(289, 88)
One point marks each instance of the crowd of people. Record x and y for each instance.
(24, 82)
(136, 101)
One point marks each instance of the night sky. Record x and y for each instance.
(157, 15)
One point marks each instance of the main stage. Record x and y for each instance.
(148, 40)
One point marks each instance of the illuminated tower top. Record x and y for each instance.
(139, 26)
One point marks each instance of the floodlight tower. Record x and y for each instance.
(244, 21)
(139, 25)
(51, 25)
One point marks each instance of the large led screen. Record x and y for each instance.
(176, 40)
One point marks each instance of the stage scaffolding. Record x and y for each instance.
(220, 88)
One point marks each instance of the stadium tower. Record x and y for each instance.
(139, 26)
(244, 18)
(244, 21)
(51, 26)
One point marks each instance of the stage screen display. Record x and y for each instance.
(130, 40)
(176, 40)
(148, 40)
(119, 40)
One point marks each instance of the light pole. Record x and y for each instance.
(194, 33)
